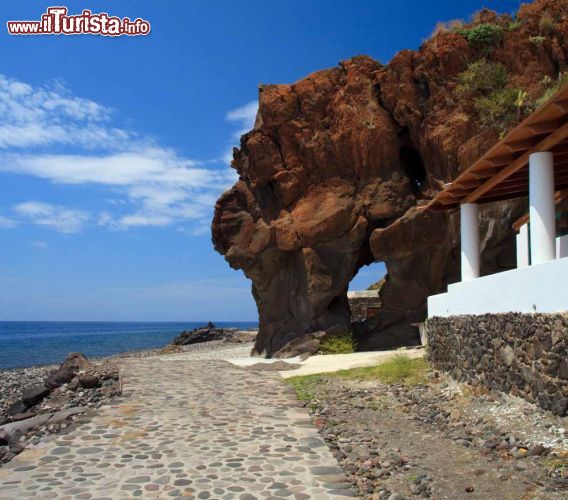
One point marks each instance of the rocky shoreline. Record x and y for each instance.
(37, 401)
(440, 440)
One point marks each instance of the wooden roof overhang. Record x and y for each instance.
(502, 172)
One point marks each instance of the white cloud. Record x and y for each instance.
(151, 185)
(51, 115)
(39, 244)
(246, 114)
(61, 219)
(245, 117)
(6, 222)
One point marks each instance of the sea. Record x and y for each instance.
(30, 343)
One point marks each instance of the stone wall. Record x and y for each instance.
(524, 354)
(359, 302)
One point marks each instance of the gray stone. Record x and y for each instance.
(524, 354)
(34, 395)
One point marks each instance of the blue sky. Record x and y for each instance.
(113, 150)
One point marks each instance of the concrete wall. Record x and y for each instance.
(524, 354)
(537, 288)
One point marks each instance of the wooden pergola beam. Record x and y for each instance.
(544, 127)
(562, 106)
(498, 161)
(485, 173)
(521, 145)
(467, 184)
(552, 140)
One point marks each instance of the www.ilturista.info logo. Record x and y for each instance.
(56, 21)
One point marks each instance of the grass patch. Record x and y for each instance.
(305, 385)
(399, 369)
(546, 24)
(555, 464)
(338, 344)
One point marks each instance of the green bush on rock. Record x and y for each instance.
(502, 108)
(537, 40)
(338, 344)
(497, 106)
(481, 76)
(484, 36)
(552, 87)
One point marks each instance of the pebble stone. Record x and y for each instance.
(186, 425)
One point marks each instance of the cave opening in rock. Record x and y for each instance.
(364, 289)
(411, 162)
(368, 276)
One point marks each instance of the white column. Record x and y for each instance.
(523, 246)
(542, 207)
(469, 241)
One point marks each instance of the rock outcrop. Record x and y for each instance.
(337, 169)
(210, 332)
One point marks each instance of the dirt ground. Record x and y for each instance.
(440, 440)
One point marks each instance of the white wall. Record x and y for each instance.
(538, 288)
(523, 246)
(562, 246)
(523, 254)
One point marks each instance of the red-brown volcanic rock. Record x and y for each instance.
(333, 173)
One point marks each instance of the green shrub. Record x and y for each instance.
(546, 24)
(497, 105)
(502, 108)
(481, 77)
(484, 36)
(514, 25)
(552, 87)
(537, 40)
(343, 343)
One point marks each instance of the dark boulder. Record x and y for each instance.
(35, 395)
(73, 364)
(17, 407)
(89, 381)
(202, 334)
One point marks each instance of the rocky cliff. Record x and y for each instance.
(339, 164)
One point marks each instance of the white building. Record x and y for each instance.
(531, 160)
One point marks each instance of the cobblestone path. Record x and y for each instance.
(192, 428)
